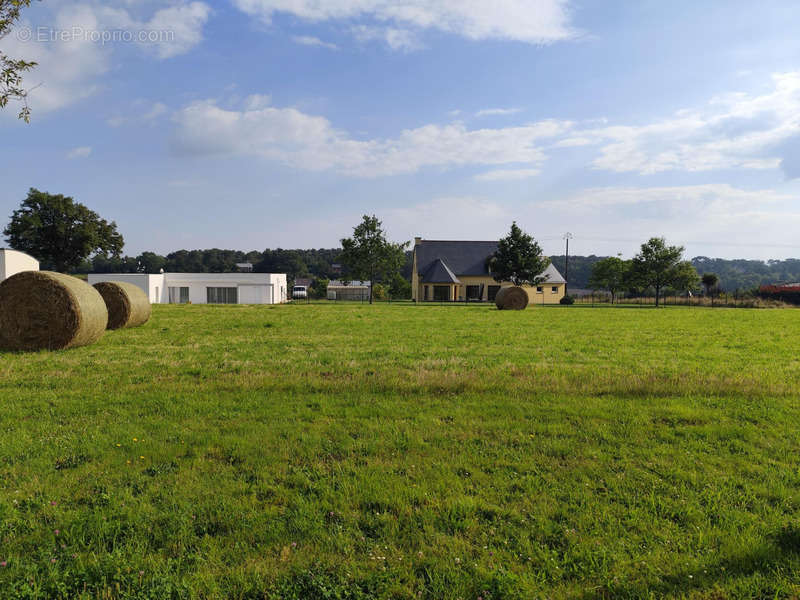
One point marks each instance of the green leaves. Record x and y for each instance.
(518, 259)
(60, 232)
(369, 255)
(658, 266)
(610, 274)
(11, 70)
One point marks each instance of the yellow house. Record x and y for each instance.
(451, 271)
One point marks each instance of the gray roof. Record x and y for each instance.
(439, 272)
(350, 284)
(462, 259)
(552, 274)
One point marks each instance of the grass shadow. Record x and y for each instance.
(780, 552)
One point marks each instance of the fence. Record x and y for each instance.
(588, 300)
(723, 300)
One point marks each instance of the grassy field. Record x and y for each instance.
(357, 452)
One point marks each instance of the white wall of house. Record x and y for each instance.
(251, 288)
(13, 262)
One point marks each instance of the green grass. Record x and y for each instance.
(393, 451)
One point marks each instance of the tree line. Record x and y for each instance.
(734, 275)
(66, 236)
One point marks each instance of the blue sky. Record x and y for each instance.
(263, 123)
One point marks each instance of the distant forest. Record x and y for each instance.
(738, 274)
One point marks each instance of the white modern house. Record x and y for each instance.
(13, 262)
(205, 288)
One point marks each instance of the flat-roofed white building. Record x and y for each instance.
(13, 262)
(205, 288)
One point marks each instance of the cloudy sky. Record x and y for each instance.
(262, 123)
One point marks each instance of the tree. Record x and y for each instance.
(609, 274)
(710, 282)
(320, 288)
(11, 70)
(686, 278)
(369, 256)
(658, 266)
(60, 232)
(518, 259)
(150, 262)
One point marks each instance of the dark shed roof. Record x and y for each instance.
(462, 258)
(439, 272)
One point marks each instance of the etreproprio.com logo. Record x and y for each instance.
(95, 36)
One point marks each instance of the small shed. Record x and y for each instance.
(349, 290)
(13, 262)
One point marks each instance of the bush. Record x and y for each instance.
(567, 300)
(379, 292)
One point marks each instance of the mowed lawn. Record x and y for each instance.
(393, 451)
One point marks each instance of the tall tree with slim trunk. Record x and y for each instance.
(609, 274)
(369, 255)
(660, 266)
(12, 69)
(60, 232)
(518, 259)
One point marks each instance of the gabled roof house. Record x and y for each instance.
(451, 271)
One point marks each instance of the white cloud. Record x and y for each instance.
(73, 55)
(507, 174)
(79, 152)
(139, 112)
(310, 40)
(732, 131)
(531, 21)
(184, 25)
(397, 39)
(720, 198)
(490, 112)
(434, 219)
(312, 142)
(705, 218)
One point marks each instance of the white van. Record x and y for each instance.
(299, 291)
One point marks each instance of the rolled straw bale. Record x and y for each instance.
(42, 310)
(127, 304)
(511, 298)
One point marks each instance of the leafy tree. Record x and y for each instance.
(659, 266)
(282, 261)
(320, 288)
(11, 70)
(369, 256)
(686, 277)
(710, 282)
(60, 232)
(610, 274)
(400, 287)
(150, 262)
(518, 259)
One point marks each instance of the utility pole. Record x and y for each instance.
(567, 238)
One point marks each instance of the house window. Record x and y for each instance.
(179, 295)
(222, 295)
(554, 289)
(493, 289)
(539, 290)
(473, 292)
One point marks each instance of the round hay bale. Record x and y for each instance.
(42, 310)
(511, 298)
(127, 304)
